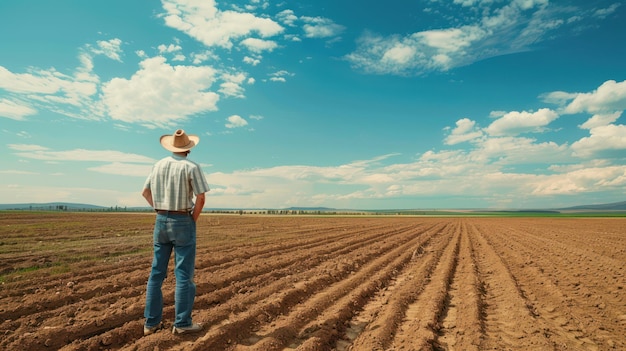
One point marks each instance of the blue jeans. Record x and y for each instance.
(178, 233)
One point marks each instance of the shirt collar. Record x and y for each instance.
(178, 157)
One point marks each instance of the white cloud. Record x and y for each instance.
(604, 12)
(314, 27)
(514, 123)
(203, 21)
(465, 130)
(27, 147)
(560, 98)
(584, 180)
(232, 85)
(319, 27)
(259, 45)
(201, 57)
(236, 121)
(292, 37)
(420, 52)
(69, 95)
(37, 82)
(602, 139)
(500, 146)
(13, 110)
(444, 173)
(177, 56)
(607, 104)
(514, 27)
(306, 173)
(601, 120)
(280, 76)
(160, 95)
(497, 114)
(109, 48)
(253, 5)
(466, 2)
(23, 134)
(449, 40)
(124, 169)
(287, 17)
(608, 98)
(251, 60)
(169, 48)
(18, 172)
(38, 152)
(399, 54)
(518, 151)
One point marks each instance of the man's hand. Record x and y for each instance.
(147, 194)
(197, 208)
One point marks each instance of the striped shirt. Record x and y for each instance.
(174, 181)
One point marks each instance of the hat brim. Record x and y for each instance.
(167, 143)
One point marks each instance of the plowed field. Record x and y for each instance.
(76, 281)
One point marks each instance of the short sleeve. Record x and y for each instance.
(198, 181)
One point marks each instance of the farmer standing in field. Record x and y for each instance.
(169, 189)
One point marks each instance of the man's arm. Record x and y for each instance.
(197, 208)
(147, 194)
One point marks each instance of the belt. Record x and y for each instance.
(166, 212)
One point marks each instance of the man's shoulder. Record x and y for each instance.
(165, 159)
(192, 164)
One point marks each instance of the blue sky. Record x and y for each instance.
(346, 104)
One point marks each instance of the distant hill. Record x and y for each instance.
(68, 206)
(615, 206)
(65, 206)
(322, 209)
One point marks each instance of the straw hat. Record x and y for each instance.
(179, 141)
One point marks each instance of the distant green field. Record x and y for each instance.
(398, 212)
(531, 213)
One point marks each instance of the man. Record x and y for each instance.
(169, 189)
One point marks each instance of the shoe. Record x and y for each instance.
(152, 330)
(194, 328)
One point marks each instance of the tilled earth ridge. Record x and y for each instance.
(76, 281)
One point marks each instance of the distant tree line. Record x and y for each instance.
(286, 212)
(282, 212)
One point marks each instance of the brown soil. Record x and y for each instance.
(76, 281)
